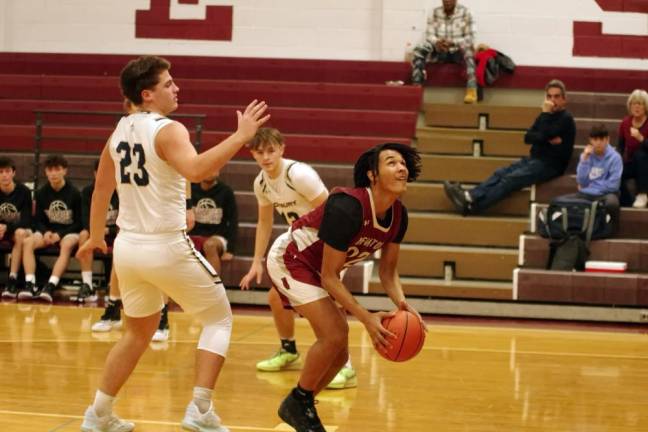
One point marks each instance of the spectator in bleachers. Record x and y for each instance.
(552, 141)
(15, 220)
(87, 291)
(599, 172)
(633, 146)
(216, 220)
(449, 38)
(57, 223)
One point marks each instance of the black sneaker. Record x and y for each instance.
(86, 294)
(11, 289)
(457, 196)
(45, 292)
(111, 318)
(301, 415)
(28, 291)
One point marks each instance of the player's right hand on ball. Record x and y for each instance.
(379, 335)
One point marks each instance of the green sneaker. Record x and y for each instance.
(345, 378)
(281, 360)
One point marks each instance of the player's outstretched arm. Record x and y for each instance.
(173, 144)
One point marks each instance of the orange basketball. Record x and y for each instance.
(410, 336)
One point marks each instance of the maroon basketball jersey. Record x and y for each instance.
(307, 248)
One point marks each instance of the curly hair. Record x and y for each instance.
(369, 160)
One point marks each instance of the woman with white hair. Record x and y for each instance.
(633, 146)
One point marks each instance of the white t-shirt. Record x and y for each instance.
(291, 192)
(151, 192)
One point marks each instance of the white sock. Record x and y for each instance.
(13, 275)
(348, 364)
(468, 197)
(114, 298)
(103, 404)
(54, 280)
(202, 397)
(30, 278)
(86, 277)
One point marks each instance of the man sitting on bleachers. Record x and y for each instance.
(552, 141)
(57, 222)
(449, 38)
(599, 172)
(15, 220)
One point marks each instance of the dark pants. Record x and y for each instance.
(611, 203)
(509, 179)
(636, 169)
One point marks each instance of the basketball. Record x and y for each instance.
(410, 336)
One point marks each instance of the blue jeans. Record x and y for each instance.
(509, 179)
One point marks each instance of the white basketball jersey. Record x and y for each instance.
(292, 191)
(151, 193)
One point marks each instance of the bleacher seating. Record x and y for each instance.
(330, 111)
(328, 116)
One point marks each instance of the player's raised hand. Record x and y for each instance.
(250, 120)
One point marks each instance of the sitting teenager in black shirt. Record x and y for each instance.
(216, 220)
(15, 219)
(57, 222)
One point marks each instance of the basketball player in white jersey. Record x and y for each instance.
(293, 189)
(147, 158)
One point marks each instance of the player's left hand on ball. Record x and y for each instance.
(403, 305)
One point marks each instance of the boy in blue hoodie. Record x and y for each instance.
(599, 172)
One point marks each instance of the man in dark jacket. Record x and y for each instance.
(57, 222)
(552, 140)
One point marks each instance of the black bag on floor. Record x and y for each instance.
(573, 215)
(571, 222)
(568, 254)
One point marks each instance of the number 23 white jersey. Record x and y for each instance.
(151, 192)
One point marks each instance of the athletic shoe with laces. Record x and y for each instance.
(196, 421)
(28, 291)
(86, 294)
(345, 378)
(162, 333)
(109, 423)
(301, 415)
(45, 293)
(281, 360)
(111, 318)
(11, 289)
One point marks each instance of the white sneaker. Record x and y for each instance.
(640, 201)
(106, 325)
(197, 422)
(160, 335)
(109, 423)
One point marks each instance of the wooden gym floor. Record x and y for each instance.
(467, 378)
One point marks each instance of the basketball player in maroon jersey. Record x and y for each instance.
(305, 265)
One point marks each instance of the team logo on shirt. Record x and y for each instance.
(59, 213)
(9, 213)
(207, 212)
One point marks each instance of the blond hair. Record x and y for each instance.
(640, 96)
